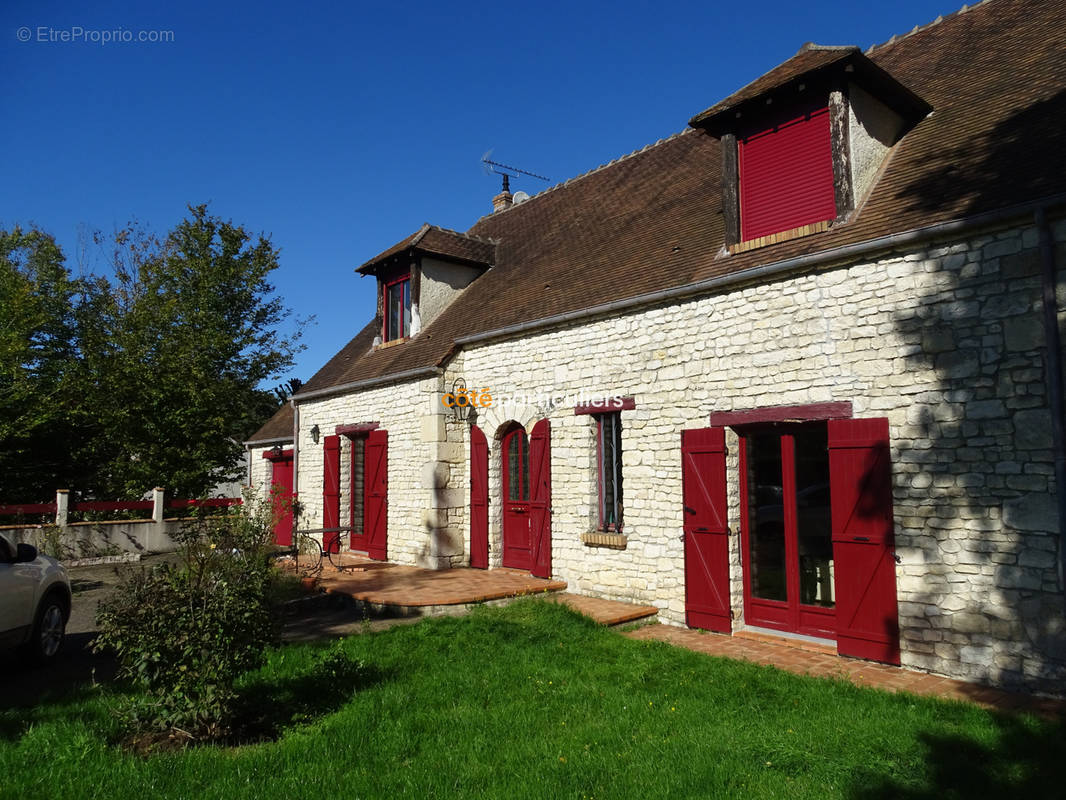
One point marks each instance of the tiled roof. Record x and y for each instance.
(278, 426)
(433, 240)
(995, 76)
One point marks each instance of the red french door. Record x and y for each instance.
(281, 494)
(517, 552)
(787, 529)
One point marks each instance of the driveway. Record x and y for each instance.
(76, 663)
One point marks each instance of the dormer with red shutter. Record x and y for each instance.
(803, 144)
(421, 275)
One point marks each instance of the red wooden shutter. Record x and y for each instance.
(282, 496)
(706, 529)
(860, 475)
(331, 492)
(786, 175)
(376, 494)
(479, 498)
(540, 499)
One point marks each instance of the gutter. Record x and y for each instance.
(1054, 378)
(367, 383)
(264, 442)
(709, 285)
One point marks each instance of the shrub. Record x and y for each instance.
(183, 633)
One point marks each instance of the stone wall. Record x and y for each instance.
(426, 514)
(261, 472)
(944, 340)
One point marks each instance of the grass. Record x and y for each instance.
(532, 701)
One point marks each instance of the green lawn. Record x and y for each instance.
(533, 701)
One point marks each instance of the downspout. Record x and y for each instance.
(295, 451)
(248, 466)
(1054, 380)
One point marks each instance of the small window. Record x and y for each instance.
(397, 309)
(609, 467)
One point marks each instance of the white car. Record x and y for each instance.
(34, 600)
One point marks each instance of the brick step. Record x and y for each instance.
(606, 612)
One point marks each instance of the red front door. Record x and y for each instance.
(281, 493)
(517, 552)
(787, 529)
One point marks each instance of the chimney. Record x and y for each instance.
(503, 199)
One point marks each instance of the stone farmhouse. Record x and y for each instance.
(796, 368)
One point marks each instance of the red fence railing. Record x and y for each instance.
(30, 508)
(39, 509)
(113, 505)
(212, 502)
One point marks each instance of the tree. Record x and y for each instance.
(40, 413)
(110, 386)
(196, 331)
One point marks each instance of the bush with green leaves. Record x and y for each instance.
(184, 633)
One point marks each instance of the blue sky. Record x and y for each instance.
(339, 128)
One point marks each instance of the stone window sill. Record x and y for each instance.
(615, 541)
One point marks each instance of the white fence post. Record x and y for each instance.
(158, 496)
(62, 506)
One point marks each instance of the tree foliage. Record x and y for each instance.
(148, 377)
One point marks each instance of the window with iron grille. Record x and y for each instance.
(609, 466)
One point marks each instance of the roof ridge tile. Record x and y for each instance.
(898, 37)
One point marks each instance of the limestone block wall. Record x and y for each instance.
(398, 409)
(944, 340)
(260, 473)
(428, 484)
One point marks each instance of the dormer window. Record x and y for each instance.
(420, 276)
(803, 144)
(397, 307)
(785, 170)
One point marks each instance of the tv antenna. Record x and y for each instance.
(507, 172)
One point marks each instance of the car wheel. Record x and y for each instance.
(49, 627)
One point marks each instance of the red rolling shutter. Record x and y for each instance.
(540, 499)
(331, 492)
(479, 498)
(860, 473)
(376, 494)
(786, 175)
(706, 529)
